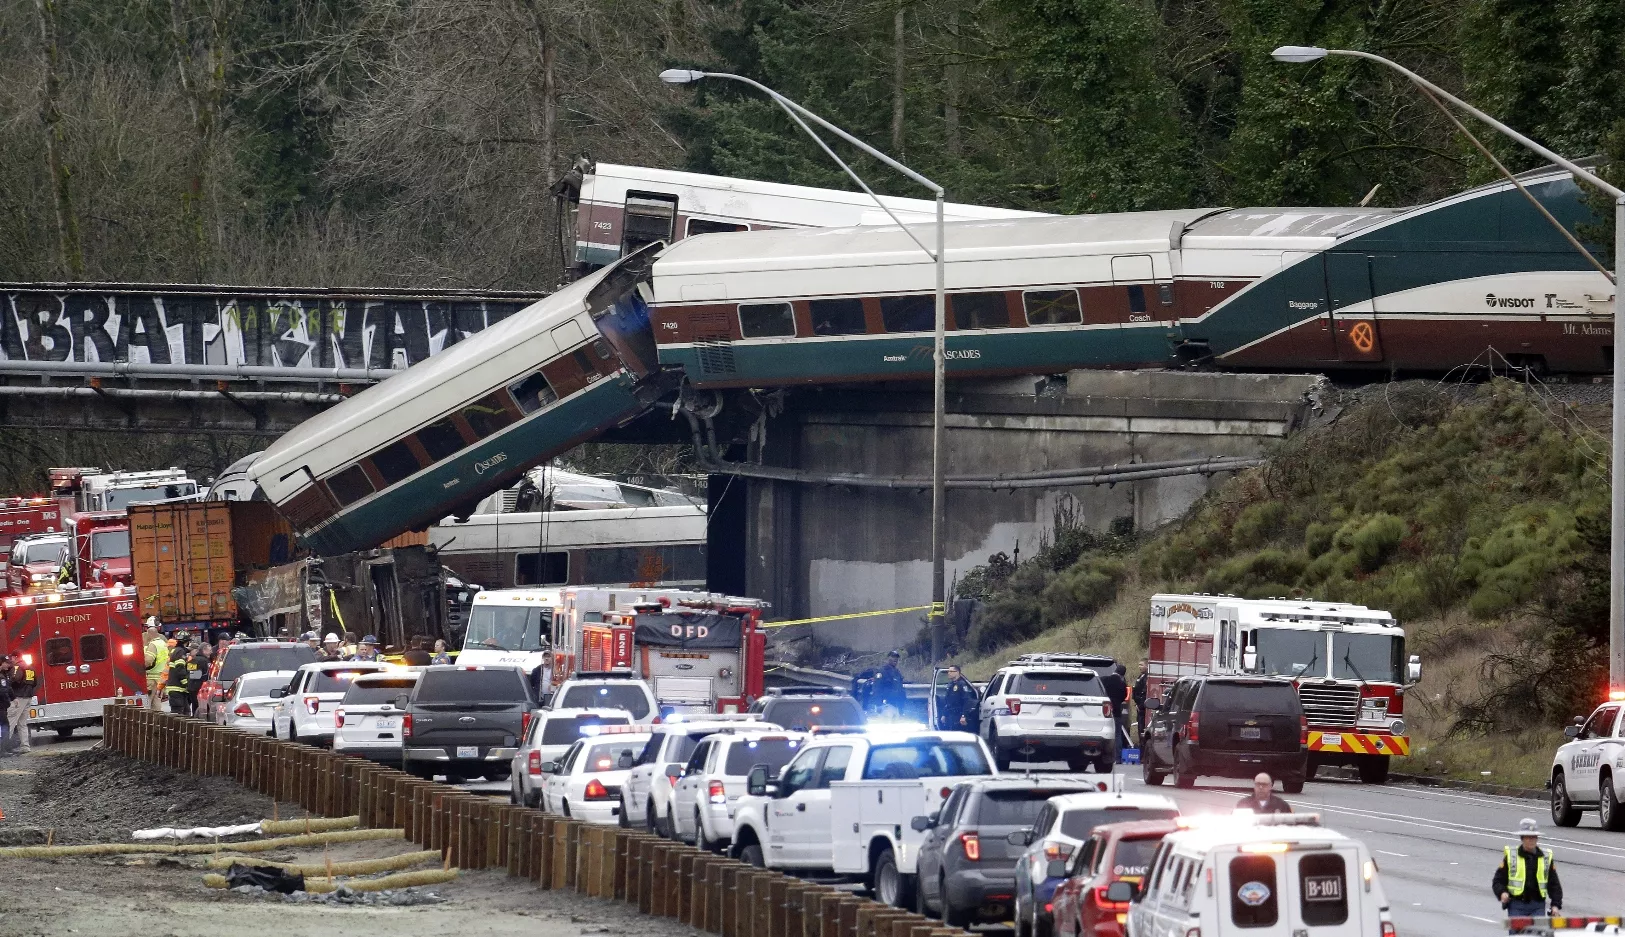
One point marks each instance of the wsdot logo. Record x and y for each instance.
(1509, 302)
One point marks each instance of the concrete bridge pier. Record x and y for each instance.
(813, 547)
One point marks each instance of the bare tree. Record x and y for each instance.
(70, 256)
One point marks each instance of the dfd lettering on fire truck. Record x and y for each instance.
(1348, 662)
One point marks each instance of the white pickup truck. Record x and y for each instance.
(846, 805)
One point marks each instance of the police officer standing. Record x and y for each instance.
(5, 701)
(1139, 696)
(957, 703)
(1117, 692)
(888, 687)
(23, 682)
(1526, 881)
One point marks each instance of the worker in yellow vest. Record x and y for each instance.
(157, 660)
(1526, 881)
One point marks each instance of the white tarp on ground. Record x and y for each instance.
(201, 832)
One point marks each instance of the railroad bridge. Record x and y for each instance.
(215, 359)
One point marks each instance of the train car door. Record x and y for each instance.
(1352, 306)
(1148, 300)
(649, 217)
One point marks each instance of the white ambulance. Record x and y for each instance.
(1270, 876)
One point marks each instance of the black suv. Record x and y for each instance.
(1231, 727)
(967, 861)
(804, 708)
(465, 722)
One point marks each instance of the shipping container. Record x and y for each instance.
(188, 556)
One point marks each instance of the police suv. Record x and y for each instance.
(1050, 707)
(1588, 771)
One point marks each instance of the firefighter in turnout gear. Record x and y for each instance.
(1526, 881)
(175, 686)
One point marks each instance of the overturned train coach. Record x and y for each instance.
(1476, 277)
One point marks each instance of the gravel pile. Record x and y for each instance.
(97, 796)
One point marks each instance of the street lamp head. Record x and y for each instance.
(1294, 54)
(680, 76)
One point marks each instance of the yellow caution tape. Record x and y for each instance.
(935, 607)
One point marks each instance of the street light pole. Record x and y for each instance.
(939, 357)
(1616, 543)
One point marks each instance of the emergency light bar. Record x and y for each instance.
(597, 730)
(51, 598)
(1202, 821)
(1615, 696)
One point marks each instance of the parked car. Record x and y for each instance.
(304, 708)
(1116, 852)
(804, 709)
(1232, 727)
(608, 691)
(1050, 708)
(1064, 824)
(586, 784)
(551, 733)
(967, 863)
(368, 720)
(240, 657)
(1281, 876)
(714, 780)
(465, 722)
(248, 703)
(1588, 771)
(646, 795)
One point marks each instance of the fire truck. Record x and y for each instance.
(84, 646)
(1348, 662)
(698, 651)
(19, 516)
(100, 545)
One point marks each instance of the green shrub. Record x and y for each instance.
(1258, 524)
(1376, 540)
(1317, 538)
(1080, 591)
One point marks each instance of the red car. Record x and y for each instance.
(1117, 852)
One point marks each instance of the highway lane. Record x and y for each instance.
(1437, 849)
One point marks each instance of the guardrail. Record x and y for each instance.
(708, 892)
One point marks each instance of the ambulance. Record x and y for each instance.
(84, 646)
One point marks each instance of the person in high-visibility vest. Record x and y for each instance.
(1526, 881)
(157, 660)
(175, 686)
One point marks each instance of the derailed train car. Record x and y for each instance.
(1477, 277)
(445, 433)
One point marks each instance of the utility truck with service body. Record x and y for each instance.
(847, 805)
(1348, 663)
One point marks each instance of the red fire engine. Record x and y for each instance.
(66, 483)
(101, 549)
(84, 647)
(698, 652)
(1348, 663)
(19, 516)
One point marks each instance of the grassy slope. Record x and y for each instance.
(1470, 515)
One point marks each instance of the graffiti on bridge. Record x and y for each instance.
(239, 328)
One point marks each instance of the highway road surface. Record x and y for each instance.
(1437, 849)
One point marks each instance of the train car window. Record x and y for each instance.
(585, 363)
(531, 393)
(350, 485)
(766, 320)
(702, 226)
(440, 439)
(487, 415)
(837, 317)
(541, 569)
(909, 313)
(395, 462)
(601, 349)
(1052, 307)
(1165, 293)
(685, 563)
(1136, 299)
(980, 310)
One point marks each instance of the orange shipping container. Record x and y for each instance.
(186, 557)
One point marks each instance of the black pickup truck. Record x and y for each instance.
(465, 722)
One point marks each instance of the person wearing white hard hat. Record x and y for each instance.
(331, 650)
(1526, 881)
